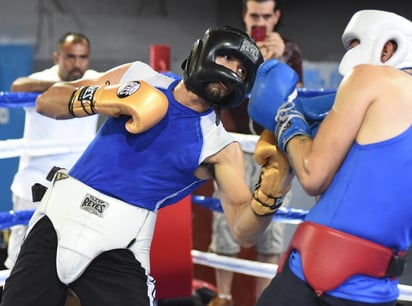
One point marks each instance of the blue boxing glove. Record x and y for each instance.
(275, 83)
(271, 102)
(315, 108)
(290, 122)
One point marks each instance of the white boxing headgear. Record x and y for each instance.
(373, 28)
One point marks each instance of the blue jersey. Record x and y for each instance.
(154, 168)
(370, 197)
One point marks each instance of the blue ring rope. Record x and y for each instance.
(22, 99)
(282, 214)
(22, 217)
(17, 99)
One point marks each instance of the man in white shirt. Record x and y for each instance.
(71, 61)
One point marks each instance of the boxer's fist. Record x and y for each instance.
(274, 162)
(274, 83)
(271, 102)
(143, 103)
(315, 109)
(265, 150)
(290, 123)
(276, 176)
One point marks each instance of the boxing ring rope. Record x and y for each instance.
(17, 147)
(260, 269)
(243, 266)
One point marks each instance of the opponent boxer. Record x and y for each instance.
(93, 229)
(350, 248)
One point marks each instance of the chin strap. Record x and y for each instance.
(217, 112)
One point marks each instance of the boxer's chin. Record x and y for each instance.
(216, 91)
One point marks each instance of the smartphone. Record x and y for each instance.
(258, 33)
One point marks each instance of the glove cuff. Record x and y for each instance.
(81, 102)
(294, 126)
(290, 123)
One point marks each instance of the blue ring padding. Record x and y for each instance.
(22, 99)
(308, 93)
(17, 99)
(10, 218)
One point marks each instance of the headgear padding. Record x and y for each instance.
(200, 68)
(373, 28)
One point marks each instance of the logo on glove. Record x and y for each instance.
(127, 89)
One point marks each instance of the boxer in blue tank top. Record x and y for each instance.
(350, 249)
(162, 139)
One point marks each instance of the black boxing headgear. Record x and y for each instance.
(200, 68)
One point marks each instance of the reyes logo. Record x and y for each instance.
(94, 205)
(87, 93)
(128, 89)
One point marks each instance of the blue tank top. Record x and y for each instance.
(370, 197)
(155, 168)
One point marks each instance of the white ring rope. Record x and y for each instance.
(259, 269)
(18, 147)
(243, 266)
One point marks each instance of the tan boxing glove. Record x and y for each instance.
(145, 104)
(276, 176)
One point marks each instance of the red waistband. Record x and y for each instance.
(330, 256)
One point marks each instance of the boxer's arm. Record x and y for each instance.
(53, 102)
(229, 172)
(275, 178)
(145, 104)
(317, 160)
(28, 84)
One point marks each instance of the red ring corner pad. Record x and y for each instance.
(170, 257)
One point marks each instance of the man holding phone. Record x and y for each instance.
(261, 18)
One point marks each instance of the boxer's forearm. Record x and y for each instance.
(53, 102)
(308, 164)
(25, 84)
(249, 227)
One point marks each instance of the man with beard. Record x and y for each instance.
(71, 62)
